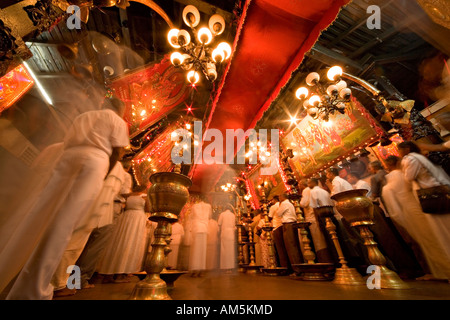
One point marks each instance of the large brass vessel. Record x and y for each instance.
(357, 209)
(168, 194)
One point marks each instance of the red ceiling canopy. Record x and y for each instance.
(270, 44)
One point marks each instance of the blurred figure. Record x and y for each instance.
(212, 254)
(101, 214)
(125, 252)
(430, 231)
(177, 237)
(378, 180)
(227, 225)
(91, 149)
(355, 180)
(200, 214)
(335, 183)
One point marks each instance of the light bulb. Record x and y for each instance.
(341, 85)
(218, 55)
(334, 73)
(312, 78)
(225, 47)
(204, 36)
(345, 93)
(176, 58)
(314, 100)
(184, 38)
(301, 93)
(216, 24)
(332, 90)
(172, 37)
(193, 77)
(191, 16)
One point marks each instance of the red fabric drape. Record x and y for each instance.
(272, 39)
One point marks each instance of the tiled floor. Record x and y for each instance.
(238, 286)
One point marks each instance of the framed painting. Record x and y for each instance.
(318, 144)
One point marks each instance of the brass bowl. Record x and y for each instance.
(167, 195)
(325, 211)
(354, 206)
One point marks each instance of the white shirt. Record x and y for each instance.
(320, 198)
(101, 129)
(276, 221)
(418, 168)
(361, 184)
(340, 185)
(127, 183)
(306, 198)
(200, 214)
(286, 212)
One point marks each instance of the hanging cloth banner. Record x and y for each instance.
(150, 93)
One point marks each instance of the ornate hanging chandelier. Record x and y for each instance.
(325, 99)
(199, 56)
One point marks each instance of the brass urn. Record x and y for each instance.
(357, 209)
(167, 195)
(354, 206)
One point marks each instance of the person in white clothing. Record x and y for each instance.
(418, 169)
(177, 237)
(227, 225)
(127, 248)
(430, 231)
(336, 183)
(100, 236)
(91, 149)
(101, 213)
(200, 214)
(355, 180)
(286, 212)
(308, 202)
(212, 254)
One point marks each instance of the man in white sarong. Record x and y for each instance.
(200, 214)
(177, 237)
(101, 235)
(308, 205)
(212, 254)
(91, 149)
(227, 225)
(101, 214)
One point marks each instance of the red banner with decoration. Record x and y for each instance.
(150, 92)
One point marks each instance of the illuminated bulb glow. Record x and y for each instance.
(218, 55)
(226, 48)
(177, 59)
(193, 77)
(204, 36)
(172, 37)
(334, 72)
(314, 100)
(301, 93)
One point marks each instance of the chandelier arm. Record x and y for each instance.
(152, 5)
